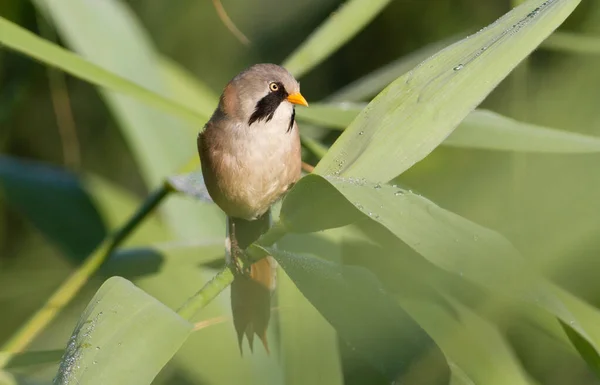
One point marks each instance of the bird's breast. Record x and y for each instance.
(252, 167)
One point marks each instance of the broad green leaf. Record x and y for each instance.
(32, 358)
(16, 38)
(477, 352)
(160, 143)
(589, 318)
(445, 239)
(415, 113)
(309, 344)
(573, 43)
(481, 129)
(371, 84)
(340, 27)
(124, 336)
(171, 271)
(55, 202)
(363, 314)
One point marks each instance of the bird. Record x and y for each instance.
(250, 156)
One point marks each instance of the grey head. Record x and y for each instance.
(257, 92)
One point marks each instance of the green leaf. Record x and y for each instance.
(309, 344)
(15, 37)
(365, 317)
(56, 203)
(589, 318)
(481, 129)
(340, 27)
(573, 43)
(124, 336)
(477, 352)
(445, 239)
(371, 84)
(415, 113)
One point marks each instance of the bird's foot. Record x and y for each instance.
(240, 260)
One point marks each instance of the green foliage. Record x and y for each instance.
(438, 94)
(365, 317)
(121, 328)
(377, 283)
(480, 129)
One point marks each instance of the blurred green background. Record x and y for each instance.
(547, 204)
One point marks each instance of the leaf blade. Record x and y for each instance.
(481, 129)
(430, 101)
(450, 242)
(352, 300)
(121, 328)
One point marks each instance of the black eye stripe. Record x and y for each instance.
(266, 107)
(292, 120)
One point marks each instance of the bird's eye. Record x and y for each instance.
(273, 87)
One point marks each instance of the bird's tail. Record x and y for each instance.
(251, 290)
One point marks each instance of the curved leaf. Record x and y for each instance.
(371, 84)
(124, 336)
(445, 239)
(478, 353)
(363, 314)
(481, 129)
(415, 113)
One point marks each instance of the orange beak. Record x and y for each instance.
(297, 98)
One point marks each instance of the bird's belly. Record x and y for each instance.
(255, 177)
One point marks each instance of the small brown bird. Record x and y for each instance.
(250, 156)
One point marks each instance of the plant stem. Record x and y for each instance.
(206, 294)
(67, 291)
(225, 277)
